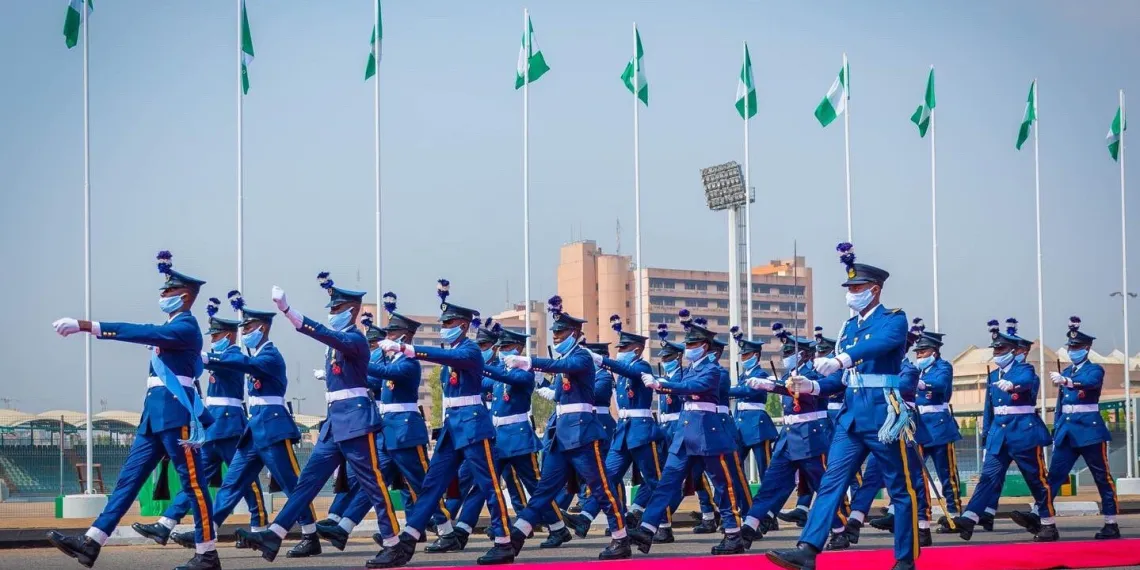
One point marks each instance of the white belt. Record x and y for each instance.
(666, 418)
(574, 408)
(722, 409)
(394, 408)
(791, 419)
(1075, 408)
(156, 382)
(266, 401)
(835, 405)
(339, 395)
(701, 407)
(747, 406)
(623, 414)
(460, 401)
(859, 380)
(509, 420)
(1014, 410)
(212, 401)
(934, 409)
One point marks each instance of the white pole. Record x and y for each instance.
(87, 252)
(240, 180)
(1131, 433)
(637, 189)
(847, 139)
(526, 178)
(376, 136)
(934, 216)
(733, 284)
(747, 215)
(1040, 294)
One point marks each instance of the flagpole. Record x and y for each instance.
(376, 132)
(747, 209)
(85, 12)
(934, 215)
(847, 139)
(1040, 294)
(1131, 433)
(240, 178)
(526, 176)
(637, 187)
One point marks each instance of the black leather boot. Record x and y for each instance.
(885, 522)
(768, 524)
(617, 550)
(334, 534)
(749, 535)
(205, 561)
(730, 544)
(557, 538)
(641, 538)
(1031, 522)
(965, 527)
(838, 541)
(310, 545)
(924, 537)
(580, 524)
(633, 519)
(1108, 532)
(798, 516)
(453, 541)
(394, 556)
(986, 520)
(903, 565)
(153, 531)
(852, 531)
(1047, 533)
(664, 535)
(266, 542)
(944, 526)
(500, 553)
(81, 547)
(706, 526)
(184, 539)
(802, 557)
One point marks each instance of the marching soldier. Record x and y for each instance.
(174, 420)
(757, 432)
(1014, 433)
(603, 394)
(348, 435)
(874, 420)
(224, 400)
(935, 387)
(824, 347)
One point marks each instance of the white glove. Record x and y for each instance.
(66, 327)
(760, 384)
(921, 385)
(1004, 385)
(648, 380)
(514, 361)
(653, 384)
(597, 358)
(801, 384)
(205, 358)
(547, 393)
(389, 346)
(1059, 380)
(826, 366)
(319, 374)
(278, 296)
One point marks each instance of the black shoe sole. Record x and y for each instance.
(782, 563)
(715, 552)
(622, 556)
(160, 540)
(82, 560)
(497, 562)
(292, 554)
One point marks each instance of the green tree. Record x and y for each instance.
(436, 419)
(774, 406)
(541, 408)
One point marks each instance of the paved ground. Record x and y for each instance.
(1072, 528)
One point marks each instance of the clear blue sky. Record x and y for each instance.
(163, 152)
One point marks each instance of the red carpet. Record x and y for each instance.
(1013, 556)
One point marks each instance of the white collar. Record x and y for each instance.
(869, 313)
(257, 350)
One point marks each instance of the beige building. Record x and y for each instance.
(595, 285)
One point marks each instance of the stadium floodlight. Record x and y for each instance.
(724, 186)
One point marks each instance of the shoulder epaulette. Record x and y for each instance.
(893, 311)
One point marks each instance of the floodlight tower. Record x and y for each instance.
(725, 190)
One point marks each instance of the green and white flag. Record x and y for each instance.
(635, 73)
(1119, 125)
(532, 64)
(921, 116)
(74, 21)
(835, 102)
(375, 50)
(1030, 115)
(746, 89)
(246, 50)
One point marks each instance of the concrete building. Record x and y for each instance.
(595, 285)
(513, 319)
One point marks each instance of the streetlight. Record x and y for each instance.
(725, 190)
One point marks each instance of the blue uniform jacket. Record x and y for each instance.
(876, 346)
(1017, 432)
(512, 393)
(462, 376)
(603, 393)
(396, 380)
(754, 426)
(229, 421)
(633, 395)
(700, 432)
(1079, 429)
(346, 367)
(802, 440)
(266, 378)
(179, 345)
(940, 426)
(670, 404)
(575, 385)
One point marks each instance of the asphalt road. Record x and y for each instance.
(359, 550)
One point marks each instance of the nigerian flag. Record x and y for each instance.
(74, 21)
(1030, 115)
(532, 64)
(1119, 125)
(921, 116)
(746, 89)
(835, 102)
(246, 50)
(375, 46)
(634, 73)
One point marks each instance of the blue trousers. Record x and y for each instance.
(870, 486)
(479, 457)
(244, 469)
(763, 453)
(678, 466)
(899, 463)
(587, 464)
(1096, 457)
(359, 453)
(410, 463)
(648, 462)
(214, 454)
(341, 501)
(565, 496)
(145, 453)
(945, 461)
(452, 505)
(521, 475)
(704, 491)
(779, 482)
(1031, 462)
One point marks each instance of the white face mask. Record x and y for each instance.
(859, 301)
(791, 362)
